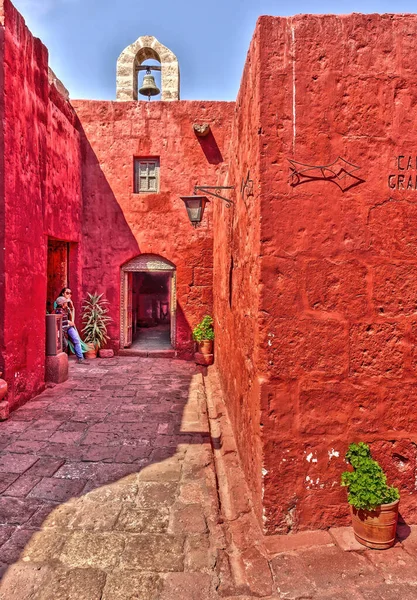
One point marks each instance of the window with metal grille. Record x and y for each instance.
(146, 175)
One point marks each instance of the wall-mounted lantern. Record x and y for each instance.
(196, 204)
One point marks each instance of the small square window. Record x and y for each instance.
(146, 175)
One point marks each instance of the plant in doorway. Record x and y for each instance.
(95, 321)
(373, 503)
(203, 334)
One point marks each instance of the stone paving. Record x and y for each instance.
(108, 488)
(153, 338)
(124, 484)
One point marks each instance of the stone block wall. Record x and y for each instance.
(338, 302)
(320, 336)
(40, 182)
(2, 205)
(237, 274)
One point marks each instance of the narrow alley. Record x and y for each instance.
(115, 487)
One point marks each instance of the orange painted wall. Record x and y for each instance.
(334, 333)
(338, 307)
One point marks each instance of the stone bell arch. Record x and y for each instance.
(145, 48)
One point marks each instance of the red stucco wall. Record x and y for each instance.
(319, 302)
(42, 196)
(339, 288)
(118, 224)
(2, 203)
(236, 277)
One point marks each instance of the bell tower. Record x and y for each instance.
(128, 64)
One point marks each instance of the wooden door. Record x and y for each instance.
(57, 270)
(128, 309)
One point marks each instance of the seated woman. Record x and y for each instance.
(66, 293)
(68, 327)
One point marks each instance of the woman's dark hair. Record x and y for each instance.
(62, 292)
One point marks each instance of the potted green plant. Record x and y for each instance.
(203, 334)
(95, 320)
(373, 503)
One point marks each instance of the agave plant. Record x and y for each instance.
(95, 320)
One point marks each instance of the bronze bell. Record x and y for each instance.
(149, 87)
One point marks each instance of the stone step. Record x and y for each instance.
(148, 353)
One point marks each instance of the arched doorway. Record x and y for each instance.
(148, 302)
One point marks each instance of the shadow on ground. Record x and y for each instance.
(108, 487)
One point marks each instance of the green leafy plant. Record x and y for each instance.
(95, 320)
(367, 483)
(204, 330)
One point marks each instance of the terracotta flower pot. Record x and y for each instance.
(3, 388)
(205, 347)
(105, 353)
(92, 352)
(4, 405)
(376, 528)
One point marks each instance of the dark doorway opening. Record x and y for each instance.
(57, 270)
(151, 311)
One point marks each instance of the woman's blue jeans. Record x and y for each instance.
(75, 339)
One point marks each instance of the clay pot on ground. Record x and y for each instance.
(4, 406)
(92, 352)
(105, 353)
(204, 360)
(205, 347)
(376, 528)
(3, 387)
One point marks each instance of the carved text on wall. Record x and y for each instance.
(406, 177)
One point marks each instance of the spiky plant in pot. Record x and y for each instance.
(95, 320)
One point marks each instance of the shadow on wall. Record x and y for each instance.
(210, 148)
(2, 217)
(119, 450)
(184, 336)
(108, 241)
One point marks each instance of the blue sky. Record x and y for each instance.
(210, 38)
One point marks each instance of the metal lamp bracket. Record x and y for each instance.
(247, 186)
(215, 192)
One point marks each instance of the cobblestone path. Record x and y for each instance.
(108, 489)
